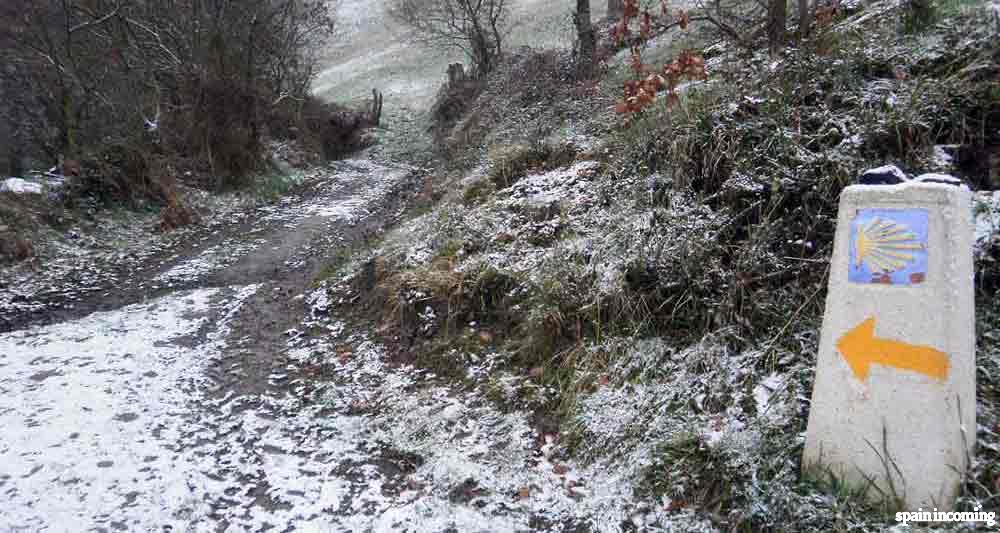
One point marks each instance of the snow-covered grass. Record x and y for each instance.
(409, 75)
(660, 295)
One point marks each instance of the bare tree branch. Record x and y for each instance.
(96, 22)
(475, 27)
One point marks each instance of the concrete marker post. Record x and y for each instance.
(894, 398)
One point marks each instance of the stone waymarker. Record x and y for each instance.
(894, 398)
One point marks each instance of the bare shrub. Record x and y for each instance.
(514, 162)
(15, 223)
(176, 214)
(118, 172)
(454, 98)
(193, 79)
(14, 248)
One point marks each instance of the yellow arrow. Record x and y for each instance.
(860, 349)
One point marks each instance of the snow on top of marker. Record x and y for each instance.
(20, 186)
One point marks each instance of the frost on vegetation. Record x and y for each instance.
(942, 157)
(570, 186)
(427, 319)
(723, 407)
(987, 217)
(670, 417)
(549, 232)
(489, 365)
(466, 443)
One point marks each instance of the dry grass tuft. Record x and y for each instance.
(511, 163)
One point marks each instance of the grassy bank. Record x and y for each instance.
(653, 293)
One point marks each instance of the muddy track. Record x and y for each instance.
(274, 250)
(264, 323)
(265, 263)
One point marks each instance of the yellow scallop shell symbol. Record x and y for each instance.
(885, 245)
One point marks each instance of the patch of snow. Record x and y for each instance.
(762, 392)
(319, 301)
(567, 184)
(210, 260)
(943, 158)
(888, 169)
(20, 186)
(89, 409)
(938, 178)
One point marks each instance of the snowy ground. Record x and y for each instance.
(114, 422)
(118, 420)
(216, 388)
(99, 426)
(227, 398)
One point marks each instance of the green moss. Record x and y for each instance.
(688, 470)
(273, 185)
(478, 192)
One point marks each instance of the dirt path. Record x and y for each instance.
(226, 397)
(150, 415)
(206, 386)
(345, 204)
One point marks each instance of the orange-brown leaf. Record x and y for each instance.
(646, 26)
(631, 9)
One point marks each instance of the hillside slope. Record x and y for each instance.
(373, 51)
(649, 296)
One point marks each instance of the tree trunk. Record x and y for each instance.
(481, 56)
(616, 8)
(588, 41)
(482, 52)
(68, 116)
(805, 18)
(777, 18)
